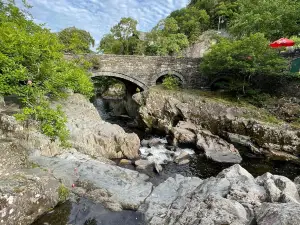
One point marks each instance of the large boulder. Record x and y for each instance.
(156, 206)
(25, 195)
(279, 188)
(126, 188)
(216, 148)
(92, 136)
(229, 198)
(278, 214)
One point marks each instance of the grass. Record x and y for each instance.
(63, 193)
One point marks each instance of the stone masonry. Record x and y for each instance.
(144, 71)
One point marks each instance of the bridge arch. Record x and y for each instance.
(172, 73)
(121, 76)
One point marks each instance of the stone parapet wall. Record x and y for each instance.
(145, 70)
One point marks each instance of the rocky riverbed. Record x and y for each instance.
(213, 124)
(34, 170)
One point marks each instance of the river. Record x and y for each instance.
(85, 212)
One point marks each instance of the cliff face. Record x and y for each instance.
(246, 125)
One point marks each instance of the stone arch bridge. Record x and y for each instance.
(145, 71)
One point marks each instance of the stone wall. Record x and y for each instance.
(145, 70)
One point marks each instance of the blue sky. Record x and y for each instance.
(98, 16)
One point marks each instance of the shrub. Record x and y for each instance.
(171, 83)
(63, 193)
(240, 60)
(30, 52)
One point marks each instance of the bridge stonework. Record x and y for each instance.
(144, 71)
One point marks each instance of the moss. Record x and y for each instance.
(148, 121)
(34, 165)
(63, 193)
(18, 189)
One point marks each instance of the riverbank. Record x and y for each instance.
(204, 121)
(229, 194)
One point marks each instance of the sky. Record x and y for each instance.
(98, 16)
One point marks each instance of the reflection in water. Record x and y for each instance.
(85, 212)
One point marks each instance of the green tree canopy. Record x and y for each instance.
(239, 60)
(123, 39)
(31, 52)
(76, 40)
(165, 39)
(191, 22)
(276, 18)
(216, 9)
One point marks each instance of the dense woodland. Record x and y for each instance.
(33, 55)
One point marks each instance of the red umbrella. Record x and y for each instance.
(282, 42)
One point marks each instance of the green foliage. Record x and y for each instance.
(52, 120)
(170, 82)
(164, 39)
(276, 18)
(31, 52)
(215, 9)
(63, 193)
(239, 60)
(123, 39)
(191, 22)
(296, 39)
(75, 40)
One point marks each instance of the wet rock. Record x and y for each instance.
(183, 136)
(25, 195)
(278, 214)
(154, 142)
(143, 164)
(125, 162)
(126, 187)
(145, 143)
(184, 133)
(183, 156)
(242, 140)
(216, 148)
(158, 168)
(184, 161)
(279, 188)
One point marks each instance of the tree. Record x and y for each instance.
(75, 40)
(215, 9)
(191, 22)
(276, 18)
(30, 52)
(123, 39)
(165, 39)
(240, 60)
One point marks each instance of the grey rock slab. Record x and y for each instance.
(127, 187)
(25, 195)
(182, 156)
(93, 136)
(157, 204)
(210, 210)
(279, 188)
(216, 148)
(278, 214)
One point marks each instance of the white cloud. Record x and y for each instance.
(98, 16)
